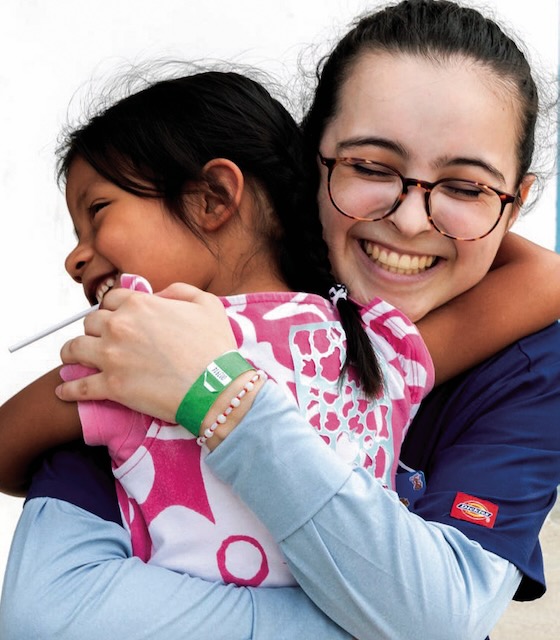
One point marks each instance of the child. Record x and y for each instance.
(200, 180)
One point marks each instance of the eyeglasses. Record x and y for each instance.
(370, 191)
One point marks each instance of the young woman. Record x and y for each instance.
(421, 98)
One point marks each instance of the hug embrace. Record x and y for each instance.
(384, 451)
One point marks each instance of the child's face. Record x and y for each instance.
(429, 121)
(119, 232)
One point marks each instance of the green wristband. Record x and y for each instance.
(217, 376)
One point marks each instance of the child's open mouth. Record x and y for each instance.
(102, 289)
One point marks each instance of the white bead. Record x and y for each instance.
(235, 402)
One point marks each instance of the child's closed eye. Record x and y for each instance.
(96, 207)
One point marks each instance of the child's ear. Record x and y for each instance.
(522, 195)
(221, 199)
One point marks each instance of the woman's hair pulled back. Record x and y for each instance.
(435, 29)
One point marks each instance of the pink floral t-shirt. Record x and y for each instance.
(182, 517)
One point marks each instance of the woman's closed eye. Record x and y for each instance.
(462, 190)
(372, 171)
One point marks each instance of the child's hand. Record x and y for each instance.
(149, 349)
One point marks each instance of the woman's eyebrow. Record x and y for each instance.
(372, 141)
(395, 147)
(472, 162)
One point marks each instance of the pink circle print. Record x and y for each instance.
(229, 577)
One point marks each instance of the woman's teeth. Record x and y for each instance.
(401, 263)
(103, 288)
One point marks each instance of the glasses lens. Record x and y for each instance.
(464, 209)
(364, 190)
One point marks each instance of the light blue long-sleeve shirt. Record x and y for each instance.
(71, 576)
(377, 570)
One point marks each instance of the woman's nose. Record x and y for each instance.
(77, 260)
(411, 216)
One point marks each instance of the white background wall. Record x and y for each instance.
(49, 50)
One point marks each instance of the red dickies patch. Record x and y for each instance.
(474, 510)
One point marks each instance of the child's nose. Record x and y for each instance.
(77, 261)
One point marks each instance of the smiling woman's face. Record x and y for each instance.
(429, 121)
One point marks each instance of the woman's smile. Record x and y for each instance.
(404, 264)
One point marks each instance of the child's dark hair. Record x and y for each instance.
(155, 143)
(435, 29)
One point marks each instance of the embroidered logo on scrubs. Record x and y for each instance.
(474, 510)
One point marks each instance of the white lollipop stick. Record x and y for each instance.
(52, 329)
(128, 281)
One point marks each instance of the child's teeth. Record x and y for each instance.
(102, 290)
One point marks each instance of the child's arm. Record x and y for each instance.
(32, 422)
(520, 295)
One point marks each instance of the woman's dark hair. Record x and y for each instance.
(155, 143)
(436, 29)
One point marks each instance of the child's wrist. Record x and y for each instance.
(230, 408)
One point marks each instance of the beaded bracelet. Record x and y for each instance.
(234, 402)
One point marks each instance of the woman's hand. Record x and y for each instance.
(149, 349)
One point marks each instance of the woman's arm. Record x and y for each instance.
(72, 575)
(31, 422)
(520, 295)
(378, 570)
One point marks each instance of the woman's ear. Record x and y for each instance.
(522, 195)
(222, 196)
